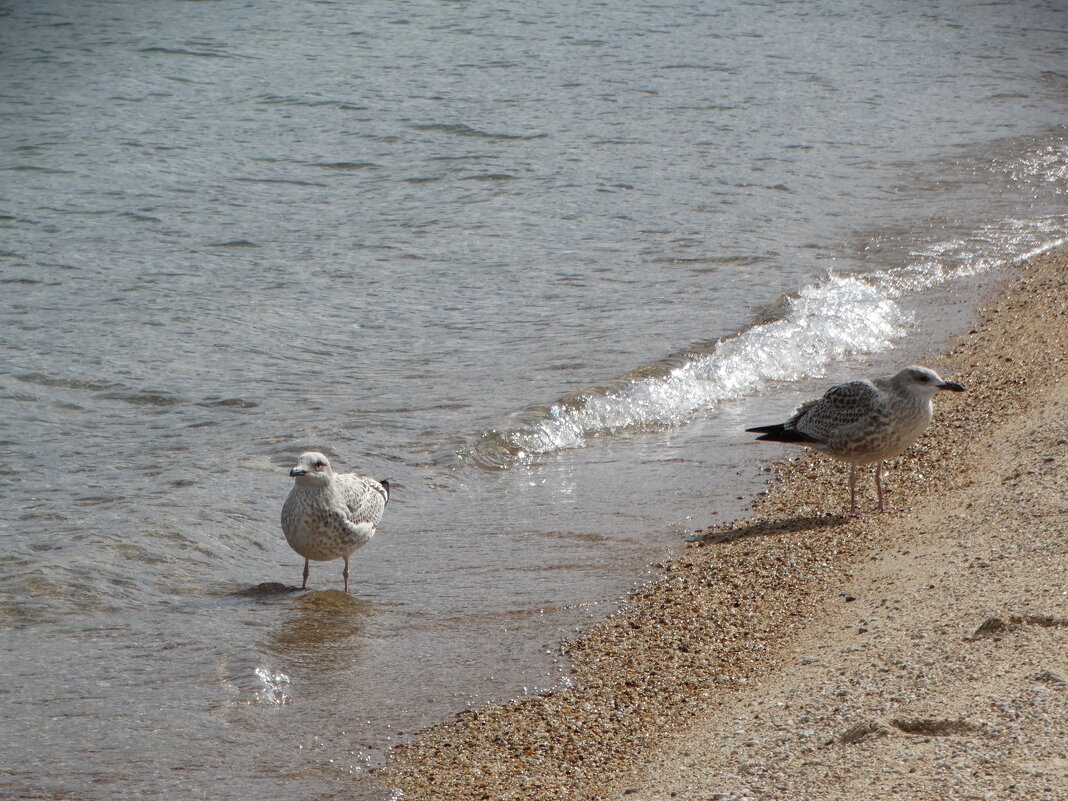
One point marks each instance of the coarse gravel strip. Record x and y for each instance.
(786, 655)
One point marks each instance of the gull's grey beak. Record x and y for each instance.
(951, 386)
(298, 471)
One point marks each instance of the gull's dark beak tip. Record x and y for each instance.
(298, 471)
(952, 386)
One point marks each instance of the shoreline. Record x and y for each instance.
(719, 632)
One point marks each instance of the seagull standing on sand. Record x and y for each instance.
(329, 515)
(861, 422)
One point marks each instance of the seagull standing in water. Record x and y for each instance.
(329, 515)
(861, 422)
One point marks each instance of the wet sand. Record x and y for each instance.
(799, 653)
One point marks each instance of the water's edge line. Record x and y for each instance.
(404, 759)
(794, 338)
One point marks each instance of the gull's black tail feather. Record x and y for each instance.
(780, 433)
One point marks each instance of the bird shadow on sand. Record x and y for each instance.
(771, 528)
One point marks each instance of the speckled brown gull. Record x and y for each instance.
(329, 515)
(861, 422)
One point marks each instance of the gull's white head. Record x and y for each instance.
(313, 469)
(923, 381)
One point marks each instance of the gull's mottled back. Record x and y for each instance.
(864, 421)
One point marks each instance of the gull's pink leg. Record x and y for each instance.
(853, 490)
(345, 574)
(879, 484)
(304, 584)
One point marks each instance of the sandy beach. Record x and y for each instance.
(800, 653)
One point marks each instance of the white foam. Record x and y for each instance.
(836, 317)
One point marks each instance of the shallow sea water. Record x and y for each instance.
(537, 265)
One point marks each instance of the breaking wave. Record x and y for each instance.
(795, 338)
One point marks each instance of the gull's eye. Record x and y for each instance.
(320, 464)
